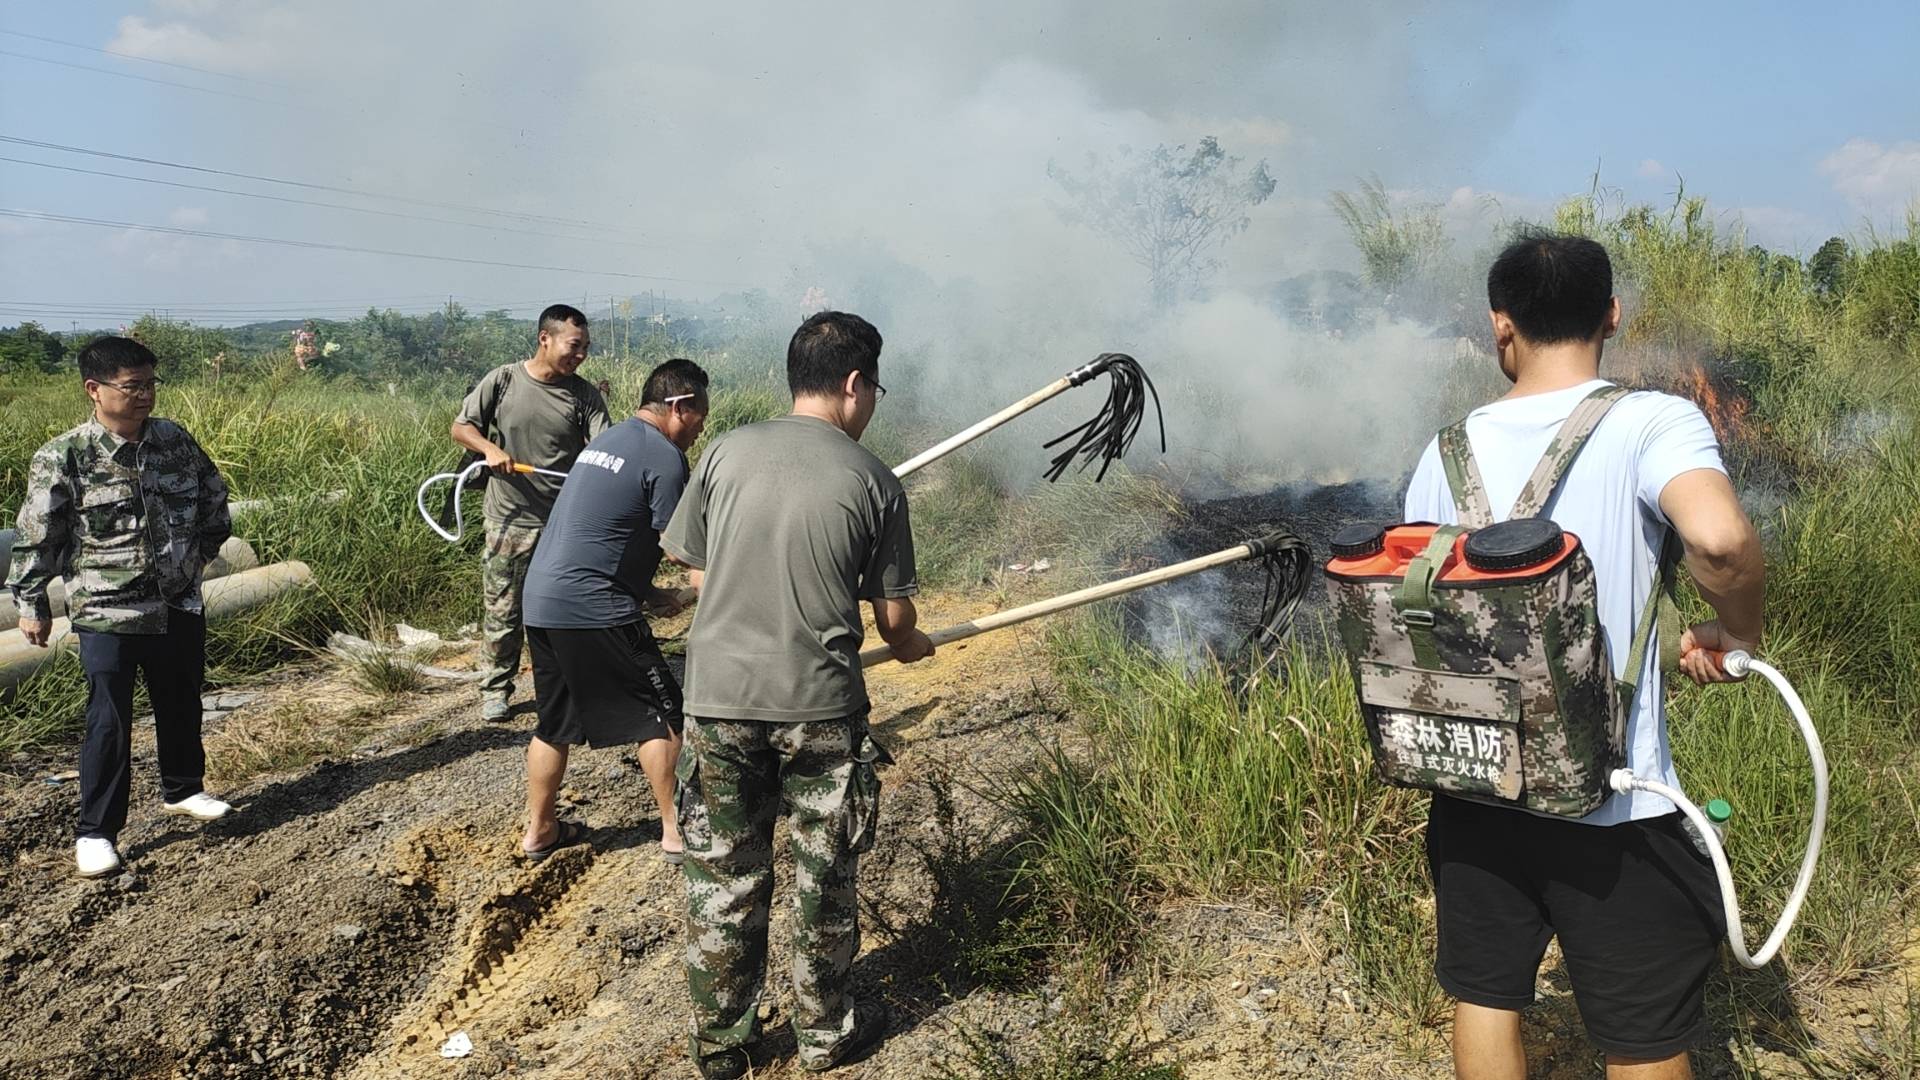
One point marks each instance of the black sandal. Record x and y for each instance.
(570, 833)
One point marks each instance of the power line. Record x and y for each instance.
(174, 230)
(288, 312)
(143, 78)
(436, 297)
(143, 59)
(435, 302)
(513, 214)
(296, 202)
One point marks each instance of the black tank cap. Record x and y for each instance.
(1358, 541)
(1514, 545)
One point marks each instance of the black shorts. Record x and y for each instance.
(1636, 907)
(602, 687)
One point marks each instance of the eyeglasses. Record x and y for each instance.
(879, 392)
(140, 388)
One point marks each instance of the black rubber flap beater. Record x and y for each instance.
(1514, 545)
(1358, 541)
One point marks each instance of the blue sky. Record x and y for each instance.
(704, 156)
(1744, 100)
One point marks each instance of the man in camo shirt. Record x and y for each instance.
(128, 509)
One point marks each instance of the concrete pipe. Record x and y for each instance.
(235, 555)
(224, 598)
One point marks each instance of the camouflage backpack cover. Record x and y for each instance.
(1477, 649)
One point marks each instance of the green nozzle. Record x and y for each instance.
(1719, 810)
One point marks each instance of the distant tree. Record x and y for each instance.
(1828, 267)
(28, 347)
(1882, 285)
(181, 347)
(1169, 209)
(1395, 246)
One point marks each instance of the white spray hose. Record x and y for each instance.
(459, 483)
(1738, 664)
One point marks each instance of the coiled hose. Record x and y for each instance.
(460, 481)
(1738, 664)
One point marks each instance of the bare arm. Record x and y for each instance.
(1724, 557)
(898, 620)
(468, 437)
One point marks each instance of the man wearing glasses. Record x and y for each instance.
(129, 509)
(794, 524)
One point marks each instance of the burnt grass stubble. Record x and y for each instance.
(1311, 511)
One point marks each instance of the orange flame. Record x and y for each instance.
(1727, 413)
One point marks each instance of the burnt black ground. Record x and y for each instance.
(1219, 608)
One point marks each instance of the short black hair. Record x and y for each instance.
(673, 379)
(827, 348)
(1554, 287)
(103, 358)
(556, 314)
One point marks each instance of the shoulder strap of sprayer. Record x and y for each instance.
(1474, 511)
(1463, 477)
(1660, 612)
(1566, 445)
(1470, 491)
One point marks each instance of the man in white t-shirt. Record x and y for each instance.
(1635, 905)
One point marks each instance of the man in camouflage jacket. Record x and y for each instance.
(129, 510)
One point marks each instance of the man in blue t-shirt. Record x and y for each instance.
(598, 675)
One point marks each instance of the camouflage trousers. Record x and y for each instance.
(503, 570)
(734, 776)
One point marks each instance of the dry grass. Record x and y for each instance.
(282, 737)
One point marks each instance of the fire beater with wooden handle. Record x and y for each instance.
(1284, 555)
(1105, 438)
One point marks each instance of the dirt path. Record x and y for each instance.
(353, 913)
(360, 908)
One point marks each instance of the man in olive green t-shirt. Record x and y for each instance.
(535, 412)
(792, 523)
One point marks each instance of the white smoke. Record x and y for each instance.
(894, 156)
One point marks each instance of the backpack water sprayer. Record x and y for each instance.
(462, 479)
(1482, 671)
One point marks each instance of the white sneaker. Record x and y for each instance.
(200, 806)
(95, 857)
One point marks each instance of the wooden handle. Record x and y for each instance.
(1080, 598)
(955, 442)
